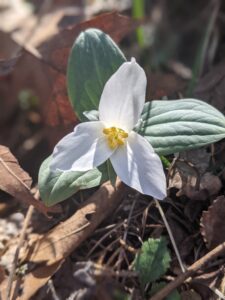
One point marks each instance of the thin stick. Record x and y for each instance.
(16, 256)
(164, 292)
(119, 261)
(102, 238)
(170, 235)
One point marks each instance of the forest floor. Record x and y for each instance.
(181, 47)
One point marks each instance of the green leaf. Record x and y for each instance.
(93, 59)
(152, 261)
(56, 187)
(178, 125)
(156, 287)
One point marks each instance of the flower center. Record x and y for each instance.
(115, 136)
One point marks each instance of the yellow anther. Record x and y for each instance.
(115, 136)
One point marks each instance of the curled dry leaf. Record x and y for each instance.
(188, 169)
(47, 253)
(190, 177)
(213, 223)
(16, 182)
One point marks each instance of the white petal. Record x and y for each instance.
(123, 97)
(81, 150)
(139, 167)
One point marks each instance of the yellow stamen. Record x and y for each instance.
(115, 136)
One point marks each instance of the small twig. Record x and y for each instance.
(164, 292)
(103, 238)
(16, 256)
(127, 247)
(170, 235)
(144, 218)
(218, 293)
(129, 217)
(120, 258)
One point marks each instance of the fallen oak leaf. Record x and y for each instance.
(48, 80)
(16, 182)
(213, 223)
(55, 51)
(49, 251)
(58, 109)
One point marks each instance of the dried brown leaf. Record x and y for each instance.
(47, 253)
(48, 81)
(55, 51)
(213, 223)
(190, 177)
(16, 182)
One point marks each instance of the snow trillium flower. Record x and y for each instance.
(92, 143)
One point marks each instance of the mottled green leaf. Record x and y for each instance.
(152, 261)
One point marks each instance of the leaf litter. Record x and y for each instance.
(106, 252)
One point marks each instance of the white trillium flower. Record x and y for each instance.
(92, 143)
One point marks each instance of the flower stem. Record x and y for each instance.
(170, 235)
